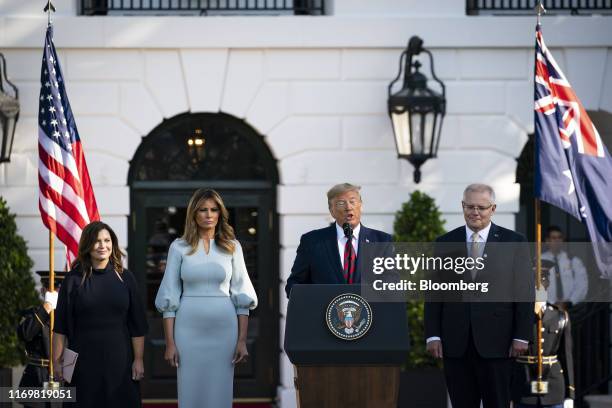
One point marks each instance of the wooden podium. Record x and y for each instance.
(334, 372)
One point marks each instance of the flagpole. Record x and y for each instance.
(539, 8)
(540, 386)
(49, 8)
(538, 225)
(52, 384)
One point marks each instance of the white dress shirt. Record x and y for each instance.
(574, 280)
(342, 241)
(483, 234)
(482, 237)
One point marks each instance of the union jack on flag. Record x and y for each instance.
(66, 197)
(573, 167)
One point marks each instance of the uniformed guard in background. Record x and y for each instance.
(33, 330)
(558, 367)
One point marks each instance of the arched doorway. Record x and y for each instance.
(183, 154)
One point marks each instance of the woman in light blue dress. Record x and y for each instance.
(205, 297)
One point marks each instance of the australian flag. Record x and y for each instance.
(573, 167)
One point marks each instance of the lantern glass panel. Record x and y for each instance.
(430, 119)
(401, 129)
(7, 133)
(417, 122)
(437, 134)
(9, 112)
(3, 137)
(10, 131)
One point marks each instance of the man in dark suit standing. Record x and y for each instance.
(477, 340)
(331, 255)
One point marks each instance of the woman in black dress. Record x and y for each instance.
(100, 316)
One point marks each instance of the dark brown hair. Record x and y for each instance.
(224, 232)
(89, 236)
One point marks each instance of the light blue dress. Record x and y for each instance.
(205, 293)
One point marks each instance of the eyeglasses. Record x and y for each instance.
(479, 208)
(341, 204)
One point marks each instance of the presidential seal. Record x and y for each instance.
(349, 316)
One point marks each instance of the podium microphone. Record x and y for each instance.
(348, 231)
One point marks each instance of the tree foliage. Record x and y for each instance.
(419, 220)
(17, 288)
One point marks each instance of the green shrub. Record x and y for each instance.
(419, 220)
(17, 290)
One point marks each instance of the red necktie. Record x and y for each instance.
(349, 261)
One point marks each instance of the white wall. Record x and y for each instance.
(334, 7)
(362, 31)
(315, 88)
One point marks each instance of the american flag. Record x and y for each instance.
(573, 167)
(66, 197)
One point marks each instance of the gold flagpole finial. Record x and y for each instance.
(49, 8)
(540, 10)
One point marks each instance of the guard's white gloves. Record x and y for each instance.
(51, 298)
(568, 403)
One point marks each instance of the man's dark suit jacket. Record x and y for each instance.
(493, 324)
(318, 259)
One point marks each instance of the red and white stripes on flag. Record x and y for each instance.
(66, 197)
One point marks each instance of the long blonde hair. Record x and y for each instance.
(224, 233)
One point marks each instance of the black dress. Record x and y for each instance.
(99, 319)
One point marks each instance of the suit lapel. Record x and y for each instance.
(493, 234)
(493, 237)
(364, 236)
(458, 235)
(331, 244)
(488, 250)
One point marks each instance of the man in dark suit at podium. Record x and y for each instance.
(477, 340)
(330, 255)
